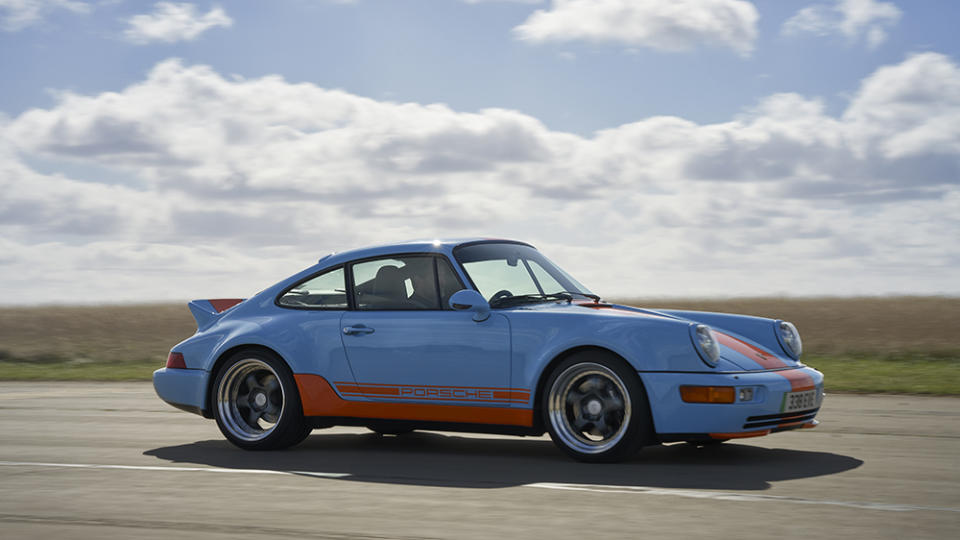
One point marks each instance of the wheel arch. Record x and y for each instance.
(538, 423)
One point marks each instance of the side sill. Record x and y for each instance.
(320, 422)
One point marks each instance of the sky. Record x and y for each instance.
(165, 151)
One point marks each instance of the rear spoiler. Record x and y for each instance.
(206, 312)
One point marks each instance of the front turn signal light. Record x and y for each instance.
(708, 394)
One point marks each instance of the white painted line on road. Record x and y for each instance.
(737, 497)
(173, 469)
(596, 488)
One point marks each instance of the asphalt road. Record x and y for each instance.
(91, 460)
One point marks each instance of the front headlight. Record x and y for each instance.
(789, 338)
(705, 343)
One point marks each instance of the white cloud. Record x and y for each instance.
(190, 184)
(172, 22)
(854, 19)
(18, 14)
(677, 25)
(910, 110)
(465, 1)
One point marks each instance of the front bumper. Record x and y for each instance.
(676, 420)
(185, 389)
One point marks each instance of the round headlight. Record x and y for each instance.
(706, 343)
(789, 338)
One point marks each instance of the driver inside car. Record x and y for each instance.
(424, 294)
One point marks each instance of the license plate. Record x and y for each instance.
(799, 401)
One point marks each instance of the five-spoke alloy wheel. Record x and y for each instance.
(256, 403)
(595, 409)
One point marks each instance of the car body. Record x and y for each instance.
(429, 335)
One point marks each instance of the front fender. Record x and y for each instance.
(647, 343)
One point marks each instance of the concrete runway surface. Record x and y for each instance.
(110, 460)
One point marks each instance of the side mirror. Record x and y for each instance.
(469, 300)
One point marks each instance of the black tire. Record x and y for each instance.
(256, 403)
(595, 408)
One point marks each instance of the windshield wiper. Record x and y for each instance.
(594, 297)
(537, 297)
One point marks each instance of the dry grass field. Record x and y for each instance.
(897, 344)
(89, 342)
(845, 325)
(903, 344)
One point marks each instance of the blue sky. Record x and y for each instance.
(208, 145)
(466, 55)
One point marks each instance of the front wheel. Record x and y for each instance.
(595, 408)
(256, 402)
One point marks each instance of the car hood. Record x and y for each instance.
(749, 343)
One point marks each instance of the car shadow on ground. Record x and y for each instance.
(435, 459)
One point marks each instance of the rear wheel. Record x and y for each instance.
(256, 402)
(595, 408)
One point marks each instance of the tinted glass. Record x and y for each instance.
(326, 291)
(396, 283)
(449, 282)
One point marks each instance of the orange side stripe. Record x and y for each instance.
(742, 435)
(427, 392)
(319, 399)
(421, 398)
(338, 383)
(374, 390)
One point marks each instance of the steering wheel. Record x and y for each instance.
(500, 294)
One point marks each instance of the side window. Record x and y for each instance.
(449, 282)
(326, 291)
(396, 283)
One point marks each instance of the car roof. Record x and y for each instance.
(445, 245)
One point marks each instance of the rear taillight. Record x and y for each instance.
(175, 360)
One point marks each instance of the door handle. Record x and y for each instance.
(358, 329)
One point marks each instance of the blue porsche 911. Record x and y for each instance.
(487, 336)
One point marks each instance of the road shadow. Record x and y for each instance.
(435, 459)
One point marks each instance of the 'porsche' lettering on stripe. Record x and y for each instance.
(320, 399)
(440, 393)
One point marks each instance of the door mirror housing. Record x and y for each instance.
(470, 300)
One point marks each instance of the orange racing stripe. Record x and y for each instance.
(319, 399)
(758, 355)
(798, 380)
(433, 392)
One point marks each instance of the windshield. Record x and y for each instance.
(504, 271)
